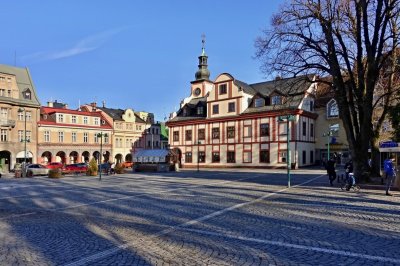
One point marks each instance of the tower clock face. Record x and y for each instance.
(197, 91)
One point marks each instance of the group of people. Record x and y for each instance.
(389, 172)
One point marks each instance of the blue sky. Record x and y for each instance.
(136, 54)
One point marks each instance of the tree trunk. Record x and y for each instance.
(375, 158)
(360, 166)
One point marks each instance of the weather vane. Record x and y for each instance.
(203, 40)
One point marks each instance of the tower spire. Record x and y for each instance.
(203, 72)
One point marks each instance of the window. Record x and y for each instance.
(188, 157)
(259, 102)
(4, 113)
(60, 136)
(27, 94)
(21, 116)
(85, 137)
(106, 138)
(85, 120)
(28, 136)
(332, 109)
(304, 157)
(4, 135)
(304, 128)
(283, 128)
(127, 143)
(20, 135)
(215, 157)
(247, 131)
(176, 136)
(202, 134)
(73, 119)
(188, 135)
(276, 100)
(96, 139)
(60, 118)
(202, 156)
(97, 121)
(312, 130)
(230, 132)
(222, 89)
(215, 109)
(230, 157)
(231, 107)
(148, 144)
(47, 136)
(215, 133)
(28, 116)
(8, 93)
(264, 130)
(247, 157)
(200, 110)
(2, 92)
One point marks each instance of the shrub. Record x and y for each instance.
(119, 168)
(92, 168)
(55, 173)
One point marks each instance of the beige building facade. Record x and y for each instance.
(19, 113)
(229, 123)
(73, 136)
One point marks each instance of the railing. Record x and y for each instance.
(7, 123)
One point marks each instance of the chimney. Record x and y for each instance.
(94, 105)
(49, 104)
(104, 104)
(65, 106)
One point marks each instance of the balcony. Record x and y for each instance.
(7, 123)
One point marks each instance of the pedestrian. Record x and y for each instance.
(390, 171)
(330, 169)
(349, 169)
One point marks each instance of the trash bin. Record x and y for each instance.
(18, 173)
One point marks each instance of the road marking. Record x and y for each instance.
(116, 249)
(296, 246)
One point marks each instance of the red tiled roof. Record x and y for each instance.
(50, 110)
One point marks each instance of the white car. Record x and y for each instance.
(36, 169)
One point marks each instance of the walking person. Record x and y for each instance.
(390, 171)
(330, 169)
(349, 178)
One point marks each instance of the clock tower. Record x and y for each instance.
(201, 85)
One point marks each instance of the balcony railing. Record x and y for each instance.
(7, 123)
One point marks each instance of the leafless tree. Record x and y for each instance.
(351, 41)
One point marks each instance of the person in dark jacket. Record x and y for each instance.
(330, 169)
(348, 168)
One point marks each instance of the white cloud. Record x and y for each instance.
(85, 45)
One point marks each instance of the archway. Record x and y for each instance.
(96, 155)
(106, 156)
(46, 157)
(118, 158)
(73, 157)
(5, 159)
(20, 157)
(85, 156)
(178, 152)
(61, 157)
(128, 158)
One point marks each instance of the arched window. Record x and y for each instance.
(332, 109)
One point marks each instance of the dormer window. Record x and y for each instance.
(276, 100)
(27, 94)
(332, 109)
(200, 110)
(259, 102)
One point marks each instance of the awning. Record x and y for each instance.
(20, 155)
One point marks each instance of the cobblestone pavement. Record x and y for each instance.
(239, 217)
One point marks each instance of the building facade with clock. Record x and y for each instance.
(226, 122)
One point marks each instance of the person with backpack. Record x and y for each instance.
(390, 172)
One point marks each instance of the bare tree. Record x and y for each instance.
(348, 40)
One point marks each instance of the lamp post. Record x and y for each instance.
(198, 153)
(22, 110)
(100, 135)
(287, 118)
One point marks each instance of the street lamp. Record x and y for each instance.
(198, 153)
(281, 119)
(22, 110)
(100, 135)
(329, 134)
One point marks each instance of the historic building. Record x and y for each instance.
(72, 136)
(229, 123)
(131, 130)
(19, 113)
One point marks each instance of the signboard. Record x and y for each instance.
(286, 117)
(388, 144)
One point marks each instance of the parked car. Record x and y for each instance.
(36, 169)
(127, 164)
(74, 168)
(54, 165)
